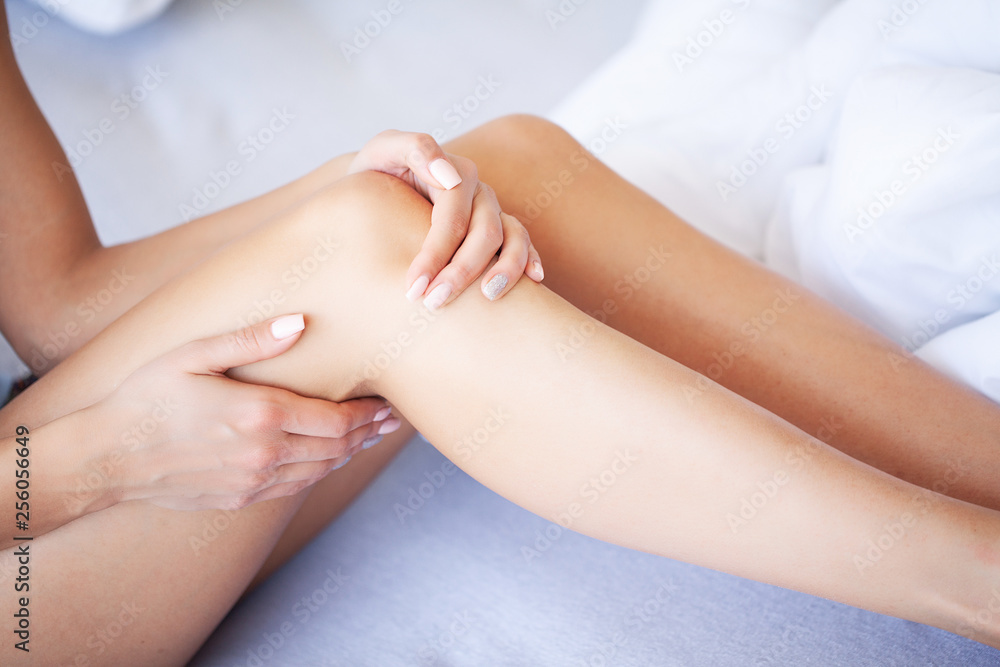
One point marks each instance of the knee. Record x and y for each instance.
(518, 136)
(528, 133)
(376, 222)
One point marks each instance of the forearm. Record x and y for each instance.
(61, 286)
(45, 483)
(44, 221)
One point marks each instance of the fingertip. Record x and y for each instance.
(495, 286)
(418, 288)
(536, 272)
(287, 326)
(389, 426)
(444, 173)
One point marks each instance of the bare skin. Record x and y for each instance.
(503, 357)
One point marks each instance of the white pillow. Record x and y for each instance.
(104, 17)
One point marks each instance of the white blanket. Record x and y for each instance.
(854, 147)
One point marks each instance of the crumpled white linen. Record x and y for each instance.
(852, 146)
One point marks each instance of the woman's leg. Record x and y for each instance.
(620, 256)
(604, 441)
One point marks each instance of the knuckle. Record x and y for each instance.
(462, 275)
(493, 236)
(470, 169)
(453, 230)
(263, 417)
(340, 424)
(246, 340)
(241, 501)
(260, 460)
(424, 143)
(520, 235)
(486, 190)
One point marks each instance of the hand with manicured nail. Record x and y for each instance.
(467, 225)
(181, 434)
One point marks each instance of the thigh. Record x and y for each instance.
(161, 580)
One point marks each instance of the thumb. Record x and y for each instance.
(248, 345)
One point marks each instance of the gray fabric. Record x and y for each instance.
(450, 584)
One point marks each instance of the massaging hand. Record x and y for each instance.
(188, 437)
(467, 225)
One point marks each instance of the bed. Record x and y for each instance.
(151, 115)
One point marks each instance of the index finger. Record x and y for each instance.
(450, 219)
(397, 152)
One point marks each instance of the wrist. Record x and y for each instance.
(80, 464)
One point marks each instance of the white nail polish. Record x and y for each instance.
(493, 288)
(341, 464)
(417, 288)
(287, 326)
(371, 442)
(437, 297)
(538, 269)
(445, 174)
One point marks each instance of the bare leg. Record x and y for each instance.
(732, 320)
(550, 427)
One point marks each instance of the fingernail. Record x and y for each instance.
(445, 174)
(538, 269)
(382, 414)
(287, 326)
(417, 288)
(388, 426)
(341, 464)
(496, 284)
(437, 297)
(371, 442)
